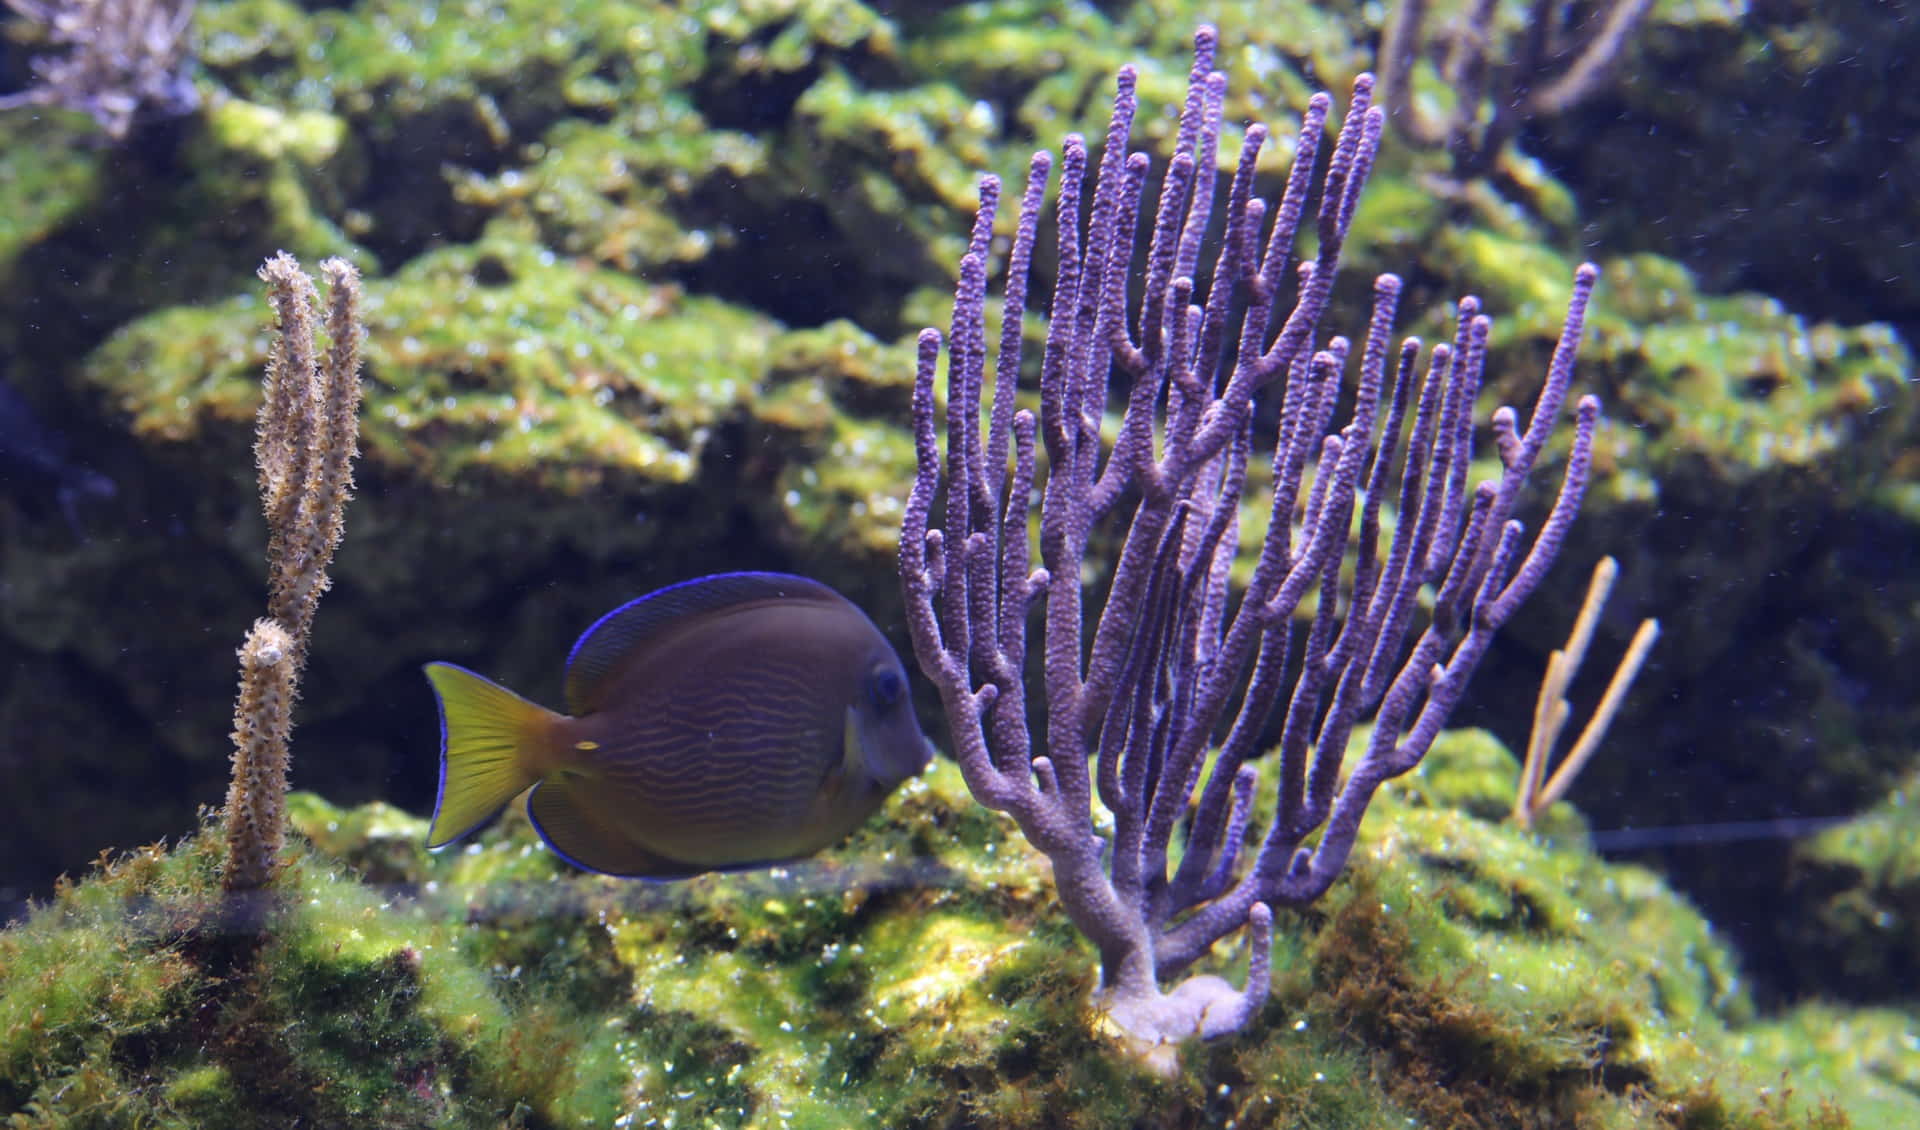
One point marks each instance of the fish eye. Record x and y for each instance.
(885, 687)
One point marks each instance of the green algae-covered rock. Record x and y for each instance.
(1866, 1055)
(43, 182)
(287, 171)
(1861, 883)
(835, 399)
(1588, 985)
(490, 360)
(142, 997)
(1463, 973)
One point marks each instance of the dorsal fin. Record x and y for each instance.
(632, 625)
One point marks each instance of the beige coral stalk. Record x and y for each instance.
(307, 439)
(262, 721)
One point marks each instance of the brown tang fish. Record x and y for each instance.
(725, 722)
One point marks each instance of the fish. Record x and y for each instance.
(732, 721)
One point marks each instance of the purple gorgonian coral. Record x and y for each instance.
(118, 60)
(1158, 696)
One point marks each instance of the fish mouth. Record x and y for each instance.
(883, 758)
(919, 764)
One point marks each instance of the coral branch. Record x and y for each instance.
(262, 721)
(308, 435)
(1176, 676)
(1499, 83)
(123, 60)
(1551, 710)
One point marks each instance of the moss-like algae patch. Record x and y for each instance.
(832, 398)
(1861, 883)
(1463, 974)
(142, 997)
(492, 360)
(43, 181)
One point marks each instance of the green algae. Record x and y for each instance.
(1740, 383)
(1463, 973)
(599, 192)
(907, 159)
(390, 61)
(288, 167)
(500, 361)
(78, 978)
(1730, 390)
(1869, 1055)
(1586, 984)
(142, 993)
(495, 359)
(595, 133)
(44, 183)
(1546, 918)
(1860, 884)
(833, 399)
(1052, 66)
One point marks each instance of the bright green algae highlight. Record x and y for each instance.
(921, 974)
(259, 158)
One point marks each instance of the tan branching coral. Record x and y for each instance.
(309, 433)
(1551, 711)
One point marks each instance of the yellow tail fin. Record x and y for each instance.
(488, 735)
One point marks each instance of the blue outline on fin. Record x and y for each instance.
(440, 789)
(574, 652)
